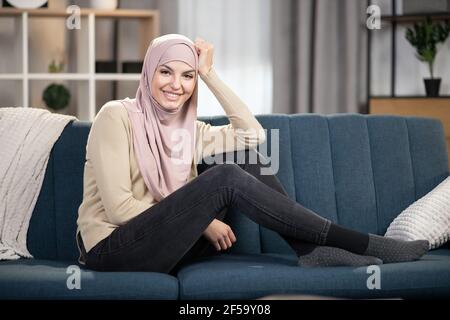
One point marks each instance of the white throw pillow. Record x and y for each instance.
(426, 219)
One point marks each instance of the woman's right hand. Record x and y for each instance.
(220, 235)
(205, 51)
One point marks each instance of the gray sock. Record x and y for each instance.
(323, 256)
(393, 250)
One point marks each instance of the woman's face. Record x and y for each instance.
(173, 84)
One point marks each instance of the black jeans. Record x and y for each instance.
(169, 234)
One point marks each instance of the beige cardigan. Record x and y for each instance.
(113, 189)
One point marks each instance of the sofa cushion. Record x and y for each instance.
(69, 155)
(271, 241)
(257, 276)
(393, 173)
(427, 218)
(409, 159)
(361, 171)
(41, 236)
(51, 234)
(47, 279)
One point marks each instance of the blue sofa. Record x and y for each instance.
(359, 171)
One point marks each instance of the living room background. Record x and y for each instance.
(279, 56)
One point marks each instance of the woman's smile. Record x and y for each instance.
(171, 96)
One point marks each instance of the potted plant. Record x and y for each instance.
(56, 96)
(424, 37)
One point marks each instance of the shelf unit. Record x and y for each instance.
(421, 106)
(411, 18)
(86, 56)
(395, 20)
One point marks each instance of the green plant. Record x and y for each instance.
(425, 36)
(56, 96)
(54, 67)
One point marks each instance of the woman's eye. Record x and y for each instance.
(164, 72)
(189, 76)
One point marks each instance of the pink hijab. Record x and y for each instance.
(164, 141)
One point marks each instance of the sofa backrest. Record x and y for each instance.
(51, 234)
(359, 171)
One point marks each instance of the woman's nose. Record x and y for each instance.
(176, 83)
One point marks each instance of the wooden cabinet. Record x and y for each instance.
(438, 108)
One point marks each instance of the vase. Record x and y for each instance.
(27, 4)
(432, 86)
(104, 4)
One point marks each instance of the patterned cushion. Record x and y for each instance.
(427, 218)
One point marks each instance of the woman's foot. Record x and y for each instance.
(324, 256)
(393, 250)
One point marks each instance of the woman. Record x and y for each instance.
(146, 207)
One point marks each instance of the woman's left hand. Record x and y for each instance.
(205, 51)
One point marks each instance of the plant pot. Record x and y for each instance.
(27, 4)
(432, 86)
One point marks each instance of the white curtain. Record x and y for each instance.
(239, 31)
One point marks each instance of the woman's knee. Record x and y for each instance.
(226, 170)
(245, 162)
(225, 174)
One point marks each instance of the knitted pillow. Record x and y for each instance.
(426, 219)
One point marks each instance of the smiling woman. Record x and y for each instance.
(143, 211)
(173, 83)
